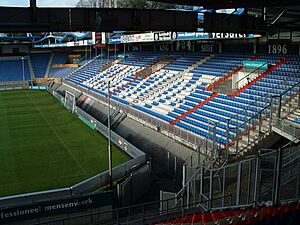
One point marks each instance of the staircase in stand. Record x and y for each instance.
(32, 74)
(288, 125)
(285, 126)
(278, 64)
(137, 75)
(49, 65)
(227, 76)
(200, 62)
(116, 117)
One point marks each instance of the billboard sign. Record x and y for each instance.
(132, 38)
(165, 36)
(115, 40)
(173, 36)
(54, 207)
(66, 44)
(262, 65)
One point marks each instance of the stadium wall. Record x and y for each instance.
(90, 185)
(252, 46)
(169, 153)
(14, 49)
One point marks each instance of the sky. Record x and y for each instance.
(40, 3)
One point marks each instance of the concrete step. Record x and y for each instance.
(296, 113)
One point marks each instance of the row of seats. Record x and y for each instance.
(61, 58)
(267, 215)
(170, 92)
(12, 70)
(39, 63)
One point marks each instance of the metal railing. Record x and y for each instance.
(286, 126)
(251, 127)
(94, 183)
(156, 123)
(12, 85)
(272, 175)
(144, 213)
(269, 115)
(248, 77)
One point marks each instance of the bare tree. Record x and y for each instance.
(139, 4)
(93, 3)
(144, 4)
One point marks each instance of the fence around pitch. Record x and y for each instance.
(205, 145)
(173, 131)
(100, 180)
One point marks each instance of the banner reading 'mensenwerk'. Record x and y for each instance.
(54, 207)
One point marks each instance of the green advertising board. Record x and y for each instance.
(262, 65)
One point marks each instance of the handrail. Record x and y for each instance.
(259, 111)
(290, 88)
(253, 117)
(179, 209)
(249, 74)
(184, 186)
(269, 104)
(286, 145)
(100, 98)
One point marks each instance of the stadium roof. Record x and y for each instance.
(277, 15)
(225, 4)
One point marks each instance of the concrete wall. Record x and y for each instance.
(8, 49)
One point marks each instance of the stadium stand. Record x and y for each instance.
(202, 103)
(12, 70)
(61, 72)
(60, 58)
(39, 63)
(266, 215)
(177, 94)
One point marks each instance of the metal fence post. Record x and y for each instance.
(223, 189)
(227, 140)
(279, 107)
(259, 123)
(238, 186)
(210, 188)
(271, 115)
(175, 167)
(249, 180)
(249, 131)
(256, 181)
(168, 166)
(188, 194)
(278, 176)
(298, 96)
(298, 181)
(215, 136)
(245, 119)
(237, 141)
(201, 183)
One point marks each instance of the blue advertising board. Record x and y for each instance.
(115, 40)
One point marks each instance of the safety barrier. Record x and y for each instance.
(182, 135)
(272, 175)
(92, 184)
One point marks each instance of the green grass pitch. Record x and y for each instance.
(43, 146)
